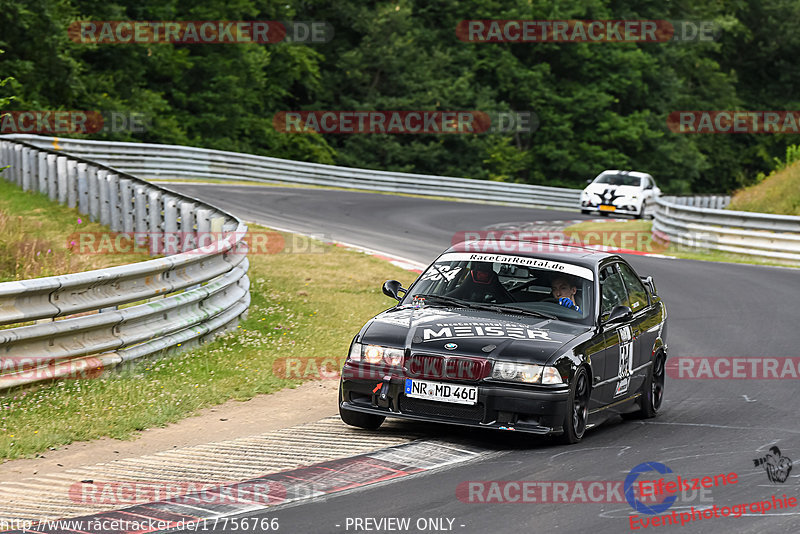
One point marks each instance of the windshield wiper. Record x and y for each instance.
(511, 309)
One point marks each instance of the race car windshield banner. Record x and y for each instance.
(547, 265)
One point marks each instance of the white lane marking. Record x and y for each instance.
(573, 451)
(726, 427)
(748, 399)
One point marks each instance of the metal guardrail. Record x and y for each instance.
(152, 161)
(753, 234)
(714, 202)
(188, 296)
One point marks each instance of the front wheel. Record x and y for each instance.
(577, 408)
(366, 421)
(641, 210)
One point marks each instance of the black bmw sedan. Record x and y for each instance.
(528, 337)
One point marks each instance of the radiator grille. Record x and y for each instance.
(441, 409)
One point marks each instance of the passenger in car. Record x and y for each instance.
(564, 289)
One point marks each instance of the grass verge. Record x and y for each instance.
(303, 305)
(778, 193)
(41, 238)
(636, 235)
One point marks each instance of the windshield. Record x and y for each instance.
(618, 179)
(512, 284)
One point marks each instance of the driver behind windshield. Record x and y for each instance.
(564, 289)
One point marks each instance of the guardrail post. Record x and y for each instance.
(126, 202)
(95, 177)
(140, 214)
(114, 204)
(171, 236)
(140, 209)
(72, 183)
(188, 237)
(26, 169)
(204, 237)
(216, 225)
(154, 213)
(52, 177)
(61, 170)
(102, 182)
(16, 165)
(83, 188)
(42, 172)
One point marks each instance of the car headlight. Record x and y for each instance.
(528, 373)
(376, 354)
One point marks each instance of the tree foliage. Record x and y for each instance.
(598, 105)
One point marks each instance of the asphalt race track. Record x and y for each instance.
(705, 428)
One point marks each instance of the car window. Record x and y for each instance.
(529, 284)
(613, 290)
(637, 294)
(619, 179)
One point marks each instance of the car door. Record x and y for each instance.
(616, 354)
(644, 325)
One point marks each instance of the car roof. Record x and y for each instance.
(573, 254)
(628, 173)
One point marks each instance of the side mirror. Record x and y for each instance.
(391, 288)
(619, 314)
(649, 186)
(589, 181)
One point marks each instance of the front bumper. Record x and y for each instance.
(627, 209)
(524, 408)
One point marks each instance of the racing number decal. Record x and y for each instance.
(625, 360)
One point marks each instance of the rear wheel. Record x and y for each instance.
(652, 391)
(577, 408)
(367, 421)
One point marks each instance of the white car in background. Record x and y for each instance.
(625, 192)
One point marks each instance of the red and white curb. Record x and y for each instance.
(205, 510)
(403, 263)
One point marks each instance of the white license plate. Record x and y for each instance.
(439, 391)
